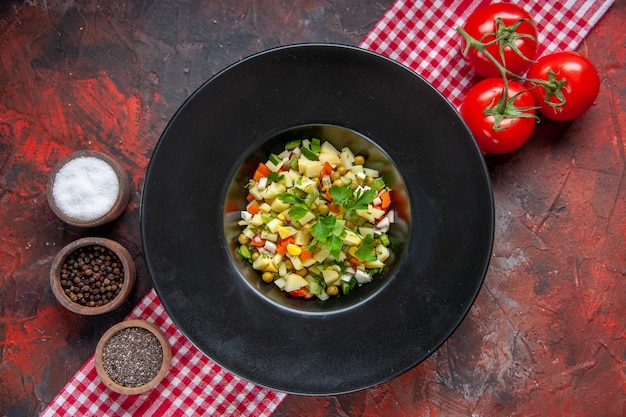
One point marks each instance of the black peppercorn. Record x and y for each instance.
(82, 268)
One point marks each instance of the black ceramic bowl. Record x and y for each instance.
(194, 191)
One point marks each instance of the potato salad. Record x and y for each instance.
(316, 220)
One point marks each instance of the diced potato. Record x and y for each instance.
(328, 147)
(256, 193)
(273, 190)
(377, 213)
(346, 159)
(294, 282)
(356, 169)
(293, 174)
(349, 178)
(268, 235)
(285, 217)
(290, 177)
(316, 289)
(365, 231)
(257, 220)
(351, 238)
(307, 185)
(366, 214)
(249, 232)
(371, 214)
(295, 261)
(314, 270)
(278, 206)
(263, 263)
(309, 262)
(331, 158)
(265, 208)
(321, 254)
(271, 267)
(307, 218)
(278, 258)
(309, 168)
(302, 238)
(282, 269)
(382, 252)
(330, 275)
(371, 172)
(374, 264)
(271, 166)
(274, 224)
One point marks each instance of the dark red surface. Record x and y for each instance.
(547, 335)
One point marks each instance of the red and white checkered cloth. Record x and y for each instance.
(194, 386)
(421, 35)
(417, 33)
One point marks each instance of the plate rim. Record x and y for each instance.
(161, 292)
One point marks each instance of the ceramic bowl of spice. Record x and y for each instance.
(92, 275)
(87, 189)
(132, 357)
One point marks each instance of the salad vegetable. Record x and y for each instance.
(316, 221)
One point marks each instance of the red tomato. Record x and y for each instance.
(302, 292)
(517, 32)
(499, 128)
(572, 85)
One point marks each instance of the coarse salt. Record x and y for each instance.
(85, 188)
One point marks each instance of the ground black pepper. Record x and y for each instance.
(132, 357)
(92, 275)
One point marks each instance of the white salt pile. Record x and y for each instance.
(85, 188)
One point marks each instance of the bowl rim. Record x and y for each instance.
(398, 233)
(165, 364)
(127, 286)
(159, 232)
(120, 203)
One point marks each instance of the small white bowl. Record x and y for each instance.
(81, 188)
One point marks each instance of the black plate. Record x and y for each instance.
(442, 243)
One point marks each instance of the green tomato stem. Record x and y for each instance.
(472, 42)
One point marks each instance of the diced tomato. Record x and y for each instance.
(261, 172)
(302, 292)
(253, 207)
(385, 199)
(335, 208)
(355, 261)
(281, 247)
(249, 197)
(327, 169)
(328, 196)
(306, 254)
